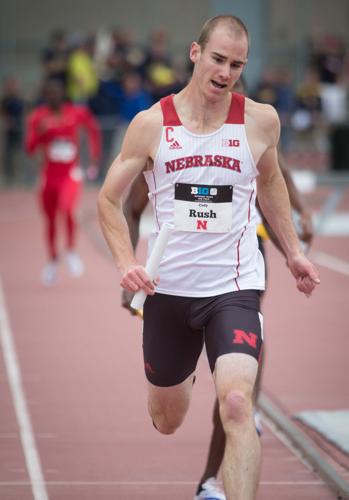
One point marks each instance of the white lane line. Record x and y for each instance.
(20, 405)
(331, 262)
(153, 483)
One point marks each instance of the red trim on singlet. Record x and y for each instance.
(238, 245)
(155, 205)
(169, 112)
(236, 113)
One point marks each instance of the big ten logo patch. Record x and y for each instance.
(203, 191)
(230, 143)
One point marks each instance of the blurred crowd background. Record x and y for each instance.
(299, 63)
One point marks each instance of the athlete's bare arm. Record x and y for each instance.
(272, 193)
(297, 203)
(305, 230)
(137, 151)
(136, 201)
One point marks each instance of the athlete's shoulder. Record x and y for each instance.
(264, 117)
(151, 117)
(37, 114)
(147, 124)
(81, 112)
(144, 132)
(264, 113)
(39, 111)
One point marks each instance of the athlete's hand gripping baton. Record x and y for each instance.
(153, 263)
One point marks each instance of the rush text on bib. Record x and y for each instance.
(203, 208)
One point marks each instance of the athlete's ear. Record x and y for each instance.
(195, 51)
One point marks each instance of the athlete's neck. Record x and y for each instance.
(199, 114)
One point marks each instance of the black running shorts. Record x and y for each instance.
(176, 328)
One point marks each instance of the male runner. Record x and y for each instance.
(54, 128)
(202, 152)
(135, 203)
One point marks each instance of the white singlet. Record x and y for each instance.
(205, 185)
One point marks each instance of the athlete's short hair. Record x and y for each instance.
(231, 22)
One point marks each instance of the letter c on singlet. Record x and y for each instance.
(168, 130)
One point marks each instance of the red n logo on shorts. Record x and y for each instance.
(242, 337)
(201, 224)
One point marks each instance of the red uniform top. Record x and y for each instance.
(57, 132)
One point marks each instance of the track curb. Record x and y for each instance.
(302, 442)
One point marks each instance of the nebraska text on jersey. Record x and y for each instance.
(203, 161)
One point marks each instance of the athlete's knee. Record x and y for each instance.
(236, 408)
(166, 423)
(167, 416)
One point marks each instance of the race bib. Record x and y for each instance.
(76, 174)
(203, 208)
(62, 151)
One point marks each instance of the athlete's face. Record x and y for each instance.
(219, 65)
(54, 94)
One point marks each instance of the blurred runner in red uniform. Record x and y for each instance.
(54, 129)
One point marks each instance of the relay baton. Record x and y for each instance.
(153, 263)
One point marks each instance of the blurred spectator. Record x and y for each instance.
(335, 102)
(307, 119)
(105, 106)
(158, 71)
(82, 74)
(125, 55)
(328, 58)
(55, 57)
(276, 89)
(133, 98)
(12, 108)
(266, 91)
(309, 95)
(285, 105)
(183, 71)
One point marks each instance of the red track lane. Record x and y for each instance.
(81, 363)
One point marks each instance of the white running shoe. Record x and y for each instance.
(210, 491)
(75, 265)
(50, 273)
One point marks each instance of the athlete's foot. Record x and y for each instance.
(50, 273)
(75, 265)
(210, 490)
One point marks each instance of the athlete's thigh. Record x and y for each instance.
(171, 400)
(69, 194)
(235, 372)
(49, 199)
(170, 347)
(235, 326)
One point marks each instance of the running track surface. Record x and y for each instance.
(80, 360)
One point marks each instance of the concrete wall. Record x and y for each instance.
(24, 21)
(279, 28)
(25, 25)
